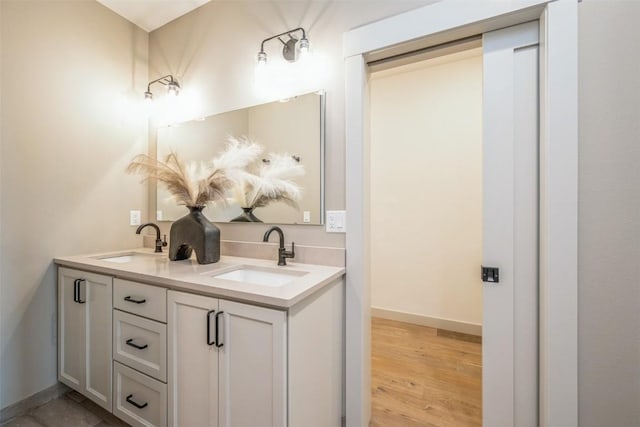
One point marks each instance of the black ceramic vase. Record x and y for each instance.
(194, 232)
(246, 216)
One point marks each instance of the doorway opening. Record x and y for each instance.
(425, 211)
(505, 397)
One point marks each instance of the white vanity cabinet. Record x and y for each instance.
(169, 344)
(84, 333)
(226, 363)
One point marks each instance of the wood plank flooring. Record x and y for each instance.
(421, 377)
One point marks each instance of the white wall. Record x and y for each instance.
(212, 50)
(426, 188)
(69, 70)
(609, 214)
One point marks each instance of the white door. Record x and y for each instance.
(192, 360)
(253, 362)
(510, 226)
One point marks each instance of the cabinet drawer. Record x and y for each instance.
(143, 300)
(137, 398)
(140, 343)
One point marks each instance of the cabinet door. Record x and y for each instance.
(84, 327)
(97, 292)
(70, 331)
(192, 376)
(253, 360)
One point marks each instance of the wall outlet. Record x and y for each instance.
(135, 218)
(306, 216)
(336, 222)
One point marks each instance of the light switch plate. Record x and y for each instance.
(306, 217)
(135, 218)
(336, 222)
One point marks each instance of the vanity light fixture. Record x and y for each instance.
(173, 87)
(289, 46)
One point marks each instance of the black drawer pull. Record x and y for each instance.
(134, 345)
(137, 301)
(219, 342)
(136, 404)
(209, 313)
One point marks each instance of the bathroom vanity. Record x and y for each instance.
(242, 342)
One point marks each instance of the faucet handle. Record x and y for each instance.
(164, 242)
(292, 253)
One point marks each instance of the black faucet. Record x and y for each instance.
(283, 254)
(159, 242)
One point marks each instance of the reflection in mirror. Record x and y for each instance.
(294, 126)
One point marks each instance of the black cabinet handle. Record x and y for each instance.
(134, 345)
(75, 290)
(219, 342)
(137, 301)
(209, 313)
(78, 300)
(136, 404)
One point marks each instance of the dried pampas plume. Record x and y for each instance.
(273, 182)
(198, 183)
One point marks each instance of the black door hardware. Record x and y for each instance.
(137, 301)
(209, 313)
(219, 342)
(134, 345)
(136, 404)
(76, 291)
(490, 274)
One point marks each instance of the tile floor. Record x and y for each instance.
(69, 410)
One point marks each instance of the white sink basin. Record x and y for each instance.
(125, 258)
(261, 276)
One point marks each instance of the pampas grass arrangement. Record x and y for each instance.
(195, 184)
(236, 170)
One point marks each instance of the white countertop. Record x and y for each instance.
(188, 275)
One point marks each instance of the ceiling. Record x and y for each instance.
(151, 14)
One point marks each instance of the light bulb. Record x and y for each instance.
(262, 58)
(173, 88)
(304, 45)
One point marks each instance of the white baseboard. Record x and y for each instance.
(432, 322)
(33, 401)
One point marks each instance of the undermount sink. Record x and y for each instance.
(261, 275)
(126, 257)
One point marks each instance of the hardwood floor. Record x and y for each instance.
(423, 376)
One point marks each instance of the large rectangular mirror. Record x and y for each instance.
(294, 126)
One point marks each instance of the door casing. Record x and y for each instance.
(444, 22)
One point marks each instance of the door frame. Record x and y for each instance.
(437, 24)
